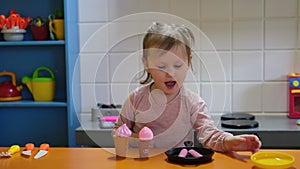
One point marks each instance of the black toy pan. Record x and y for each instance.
(173, 153)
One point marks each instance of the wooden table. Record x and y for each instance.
(98, 158)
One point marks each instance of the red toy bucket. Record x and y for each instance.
(40, 32)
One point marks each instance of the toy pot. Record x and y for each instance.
(57, 27)
(9, 91)
(13, 34)
(41, 88)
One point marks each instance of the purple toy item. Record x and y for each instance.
(183, 153)
(194, 153)
(109, 118)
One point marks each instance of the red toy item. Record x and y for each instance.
(294, 95)
(9, 91)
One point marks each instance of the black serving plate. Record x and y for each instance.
(189, 159)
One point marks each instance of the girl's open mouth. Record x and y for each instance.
(170, 84)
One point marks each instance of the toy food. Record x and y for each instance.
(121, 139)
(145, 142)
(14, 20)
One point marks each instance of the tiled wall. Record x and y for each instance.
(257, 45)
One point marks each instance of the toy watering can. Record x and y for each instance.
(41, 88)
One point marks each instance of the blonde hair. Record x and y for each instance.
(164, 36)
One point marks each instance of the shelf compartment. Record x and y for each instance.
(32, 43)
(30, 103)
(53, 122)
(20, 125)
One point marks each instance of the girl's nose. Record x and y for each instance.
(170, 72)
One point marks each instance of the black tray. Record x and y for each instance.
(239, 124)
(189, 159)
(237, 116)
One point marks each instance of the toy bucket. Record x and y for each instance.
(41, 88)
(40, 32)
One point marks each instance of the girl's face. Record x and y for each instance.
(167, 68)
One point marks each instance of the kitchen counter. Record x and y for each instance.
(275, 131)
(95, 158)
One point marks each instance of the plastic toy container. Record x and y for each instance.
(41, 88)
(40, 32)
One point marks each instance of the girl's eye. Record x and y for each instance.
(161, 67)
(177, 66)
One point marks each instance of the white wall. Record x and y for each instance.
(257, 43)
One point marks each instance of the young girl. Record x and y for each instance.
(165, 106)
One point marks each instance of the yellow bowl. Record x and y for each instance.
(272, 160)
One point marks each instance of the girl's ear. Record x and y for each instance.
(145, 64)
(190, 60)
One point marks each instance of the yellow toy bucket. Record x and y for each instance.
(41, 88)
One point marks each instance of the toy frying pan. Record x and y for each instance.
(173, 153)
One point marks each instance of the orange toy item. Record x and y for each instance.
(28, 149)
(14, 20)
(2, 21)
(43, 150)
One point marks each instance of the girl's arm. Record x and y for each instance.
(126, 115)
(218, 140)
(243, 142)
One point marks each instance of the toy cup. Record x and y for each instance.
(145, 147)
(57, 27)
(121, 145)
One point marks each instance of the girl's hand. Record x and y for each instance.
(243, 142)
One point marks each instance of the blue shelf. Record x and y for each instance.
(28, 43)
(30, 103)
(55, 121)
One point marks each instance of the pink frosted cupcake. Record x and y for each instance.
(121, 139)
(145, 142)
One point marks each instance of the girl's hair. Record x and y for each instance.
(165, 37)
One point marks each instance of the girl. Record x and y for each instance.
(162, 104)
